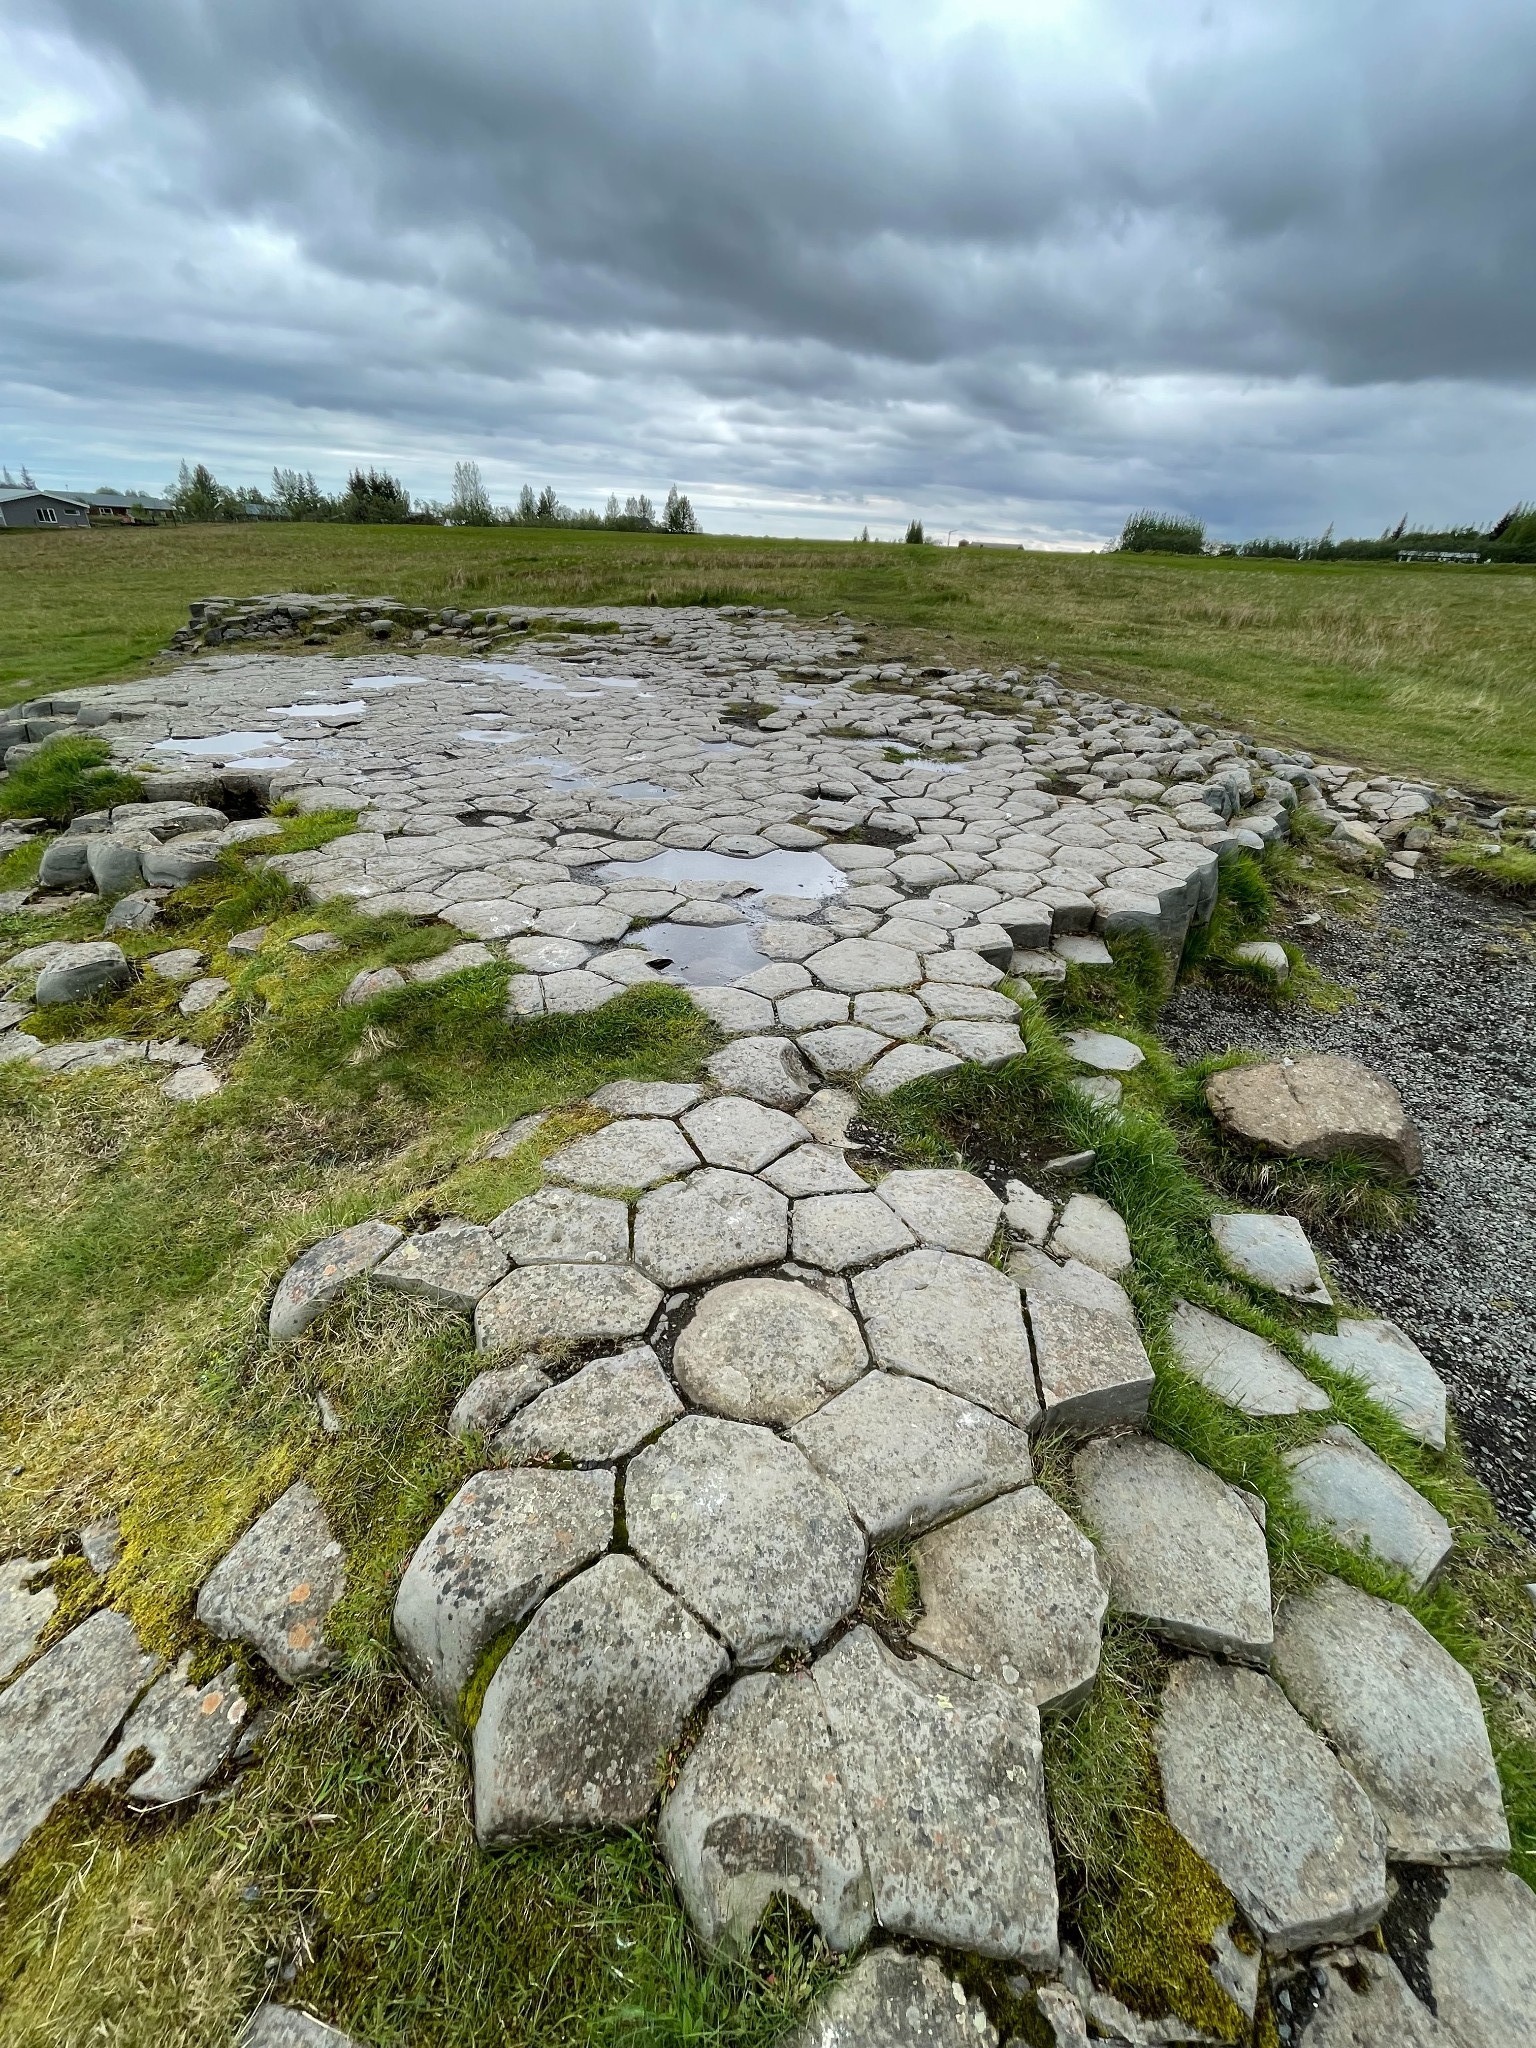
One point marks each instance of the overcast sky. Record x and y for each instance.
(1018, 266)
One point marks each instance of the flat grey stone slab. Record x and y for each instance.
(566, 1304)
(1094, 1371)
(1090, 1231)
(275, 1588)
(635, 1152)
(26, 1606)
(904, 1453)
(734, 1011)
(810, 1009)
(767, 1069)
(1183, 1553)
(646, 1098)
(892, 1015)
(317, 1276)
(739, 1525)
(855, 966)
(1013, 1593)
(1480, 1956)
(457, 960)
(842, 1049)
(285, 2026)
(709, 1225)
(1274, 1251)
(1283, 1825)
(1368, 1506)
(814, 1170)
(564, 1226)
(452, 1265)
(1394, 1369)
(503, 1542)
(984, 1045)
(577, 992)
(188, 1730)
(1104, 1051)
(1359, 1999)
(1322, 1106)
(839, 1232)
(906, 1063)
(896, 2001)
(58, 1717)
(941, 1206)
(767, 1350)
(1402, 1714)
(955, 1321)
(1240, 1368)
(956, 1001)
(78, 972)
(492, 1396)
(735, 1131)
(1071, 1280)
(759, 1809)
(603, 1412)
(547, 955)
(946, 1789)
(581, 1712)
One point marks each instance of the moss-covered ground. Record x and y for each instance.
(138, 1248)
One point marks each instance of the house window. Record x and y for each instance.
(47, 516)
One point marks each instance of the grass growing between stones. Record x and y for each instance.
(67, 775)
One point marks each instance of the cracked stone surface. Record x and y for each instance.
(740, 1525)
(813, 1170)
(1393, 1367)
(584, 1707)
(709, 1225)
(315, 1278)
(1274, 1251)
(634, 1152)
(1262, 1798)
(1093, 1233)
(492, 1396)
(1094, 1371)
(1182, 1552)
(605, 1411)
(501, 1544)
(1358, 1999)
(905, 1454)
(275, 1588)
(452, 1265)
(1013, 1593)
(1321, 1106)
(953, 1210)
(908, 1063)
(1242, 1369)
(955, 1321)
(1368, 1506)
(734, 1131)
(767, 1350)
(839, 1232)
(566, 1304)
(1402, 1714)
(188, 1730)
(768, 1070)
(559, 1226)
(898, 2001)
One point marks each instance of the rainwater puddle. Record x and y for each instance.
(721, 750)
(528, 678)
(769, 874)
(386, 682)
(496, 739)
(319, 710)
(700, 955)
(638, 792)
(229, 746)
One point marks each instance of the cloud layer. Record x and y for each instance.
(1017, 266)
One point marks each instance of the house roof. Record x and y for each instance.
(9, 495)
(124, 501)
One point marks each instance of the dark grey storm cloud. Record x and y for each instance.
(1017, 264)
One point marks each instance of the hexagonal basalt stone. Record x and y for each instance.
(1478, 1953)
(944, 1782)
(646, 1098)
(1182, 1551)
(1239, 1367)
(739, 1525)
(566, 1304)
(1273, 1251)
(501, 1544)
(1398, 1374)
(842, 1049)
(602, 1412)
(838, 1232)
(897, 2001)
(1263, 1800)
(1402, 1714)
(813, 1170)
(582, 1710)
(1013, 1593)
(275, 1588)
(764, 1350)
(1094, 1371)
(1345, 1486)
(759, 1810)
(956, 1211)
(854, 966)
(317, 1276)
(709, 1225)
(904, 1453)
(766, 1069)
(736, 1132)
(908, 1063)
(955, 1321)
(452, 1265)
(635, 1152)
(560, 1226)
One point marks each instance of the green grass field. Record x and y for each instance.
(1422, 669)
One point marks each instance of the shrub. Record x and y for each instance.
(1161, 533)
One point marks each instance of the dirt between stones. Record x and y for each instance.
(1445, 988)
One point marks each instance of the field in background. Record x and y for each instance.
(1422, 669)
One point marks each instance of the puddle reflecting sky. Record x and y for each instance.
(770, 874)
(701, 955)
(228, 746)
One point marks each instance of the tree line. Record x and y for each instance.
(1511, 538)
(373, 497)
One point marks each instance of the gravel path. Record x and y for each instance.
(1446, 989)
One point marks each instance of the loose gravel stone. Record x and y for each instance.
(897, 2001)
(1275, 1252)
(1259, 1796)
(767, 1069)
(1404, 1717)
(566, 1304)
(278, 1584)
(603, 1412)
(905, 1454)
(1321, 1106)
(759, 1809)
(452, 1265)
(1368, 1506)
(734, 1131)
(765, 1350)
(635, 1152)
(188, 1730)
(503, 1542)
(285, 2026)
(946, 1792)
(582, 1710)
(954, 1321)
(739, 1525)
(1013, 1593)
(1240, 1368)
(1183, 1553)
(1394, 1369)
(955, 1211)
(315, 1279)
(709, 1225)
(561, 1226)
(58, 1717)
